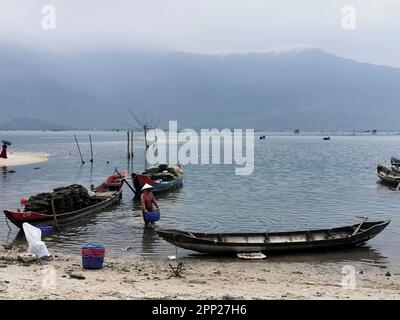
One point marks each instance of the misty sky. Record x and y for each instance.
(207, 26)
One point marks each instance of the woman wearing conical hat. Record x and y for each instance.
(147, 198)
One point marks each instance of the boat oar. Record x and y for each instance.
(127, 183)
(359, 226)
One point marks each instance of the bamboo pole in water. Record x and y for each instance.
(129, 153)
(131, 143)
(91, 148)
(79, 149)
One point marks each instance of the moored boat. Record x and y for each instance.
(395, 162)
(105, 195)
(387, 175)
(162, 178)
(274, 242)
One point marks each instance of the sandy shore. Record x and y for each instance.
(62, 277)
(23, 158)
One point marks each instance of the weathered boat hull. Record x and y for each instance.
(388, 176)
(327, 239)
(113, 197)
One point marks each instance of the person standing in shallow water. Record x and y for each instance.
(147, 198)
(3, 153)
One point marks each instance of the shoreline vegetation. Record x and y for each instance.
(23, 158)
(62, 277)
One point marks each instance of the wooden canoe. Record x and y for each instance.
(233, 243)
(387, 175)
(106, 195)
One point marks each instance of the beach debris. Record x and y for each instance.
(33, 236)
(388, 274)
(196, 281)
(317, 294)
(127, 248)
(27, 257)
(8, 246)
(3, 287)
(78, 276)
(177, 270)
(217, 272)
(172, 257)
(297, 272)
(252, 256)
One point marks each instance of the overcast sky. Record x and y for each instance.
(208, 26)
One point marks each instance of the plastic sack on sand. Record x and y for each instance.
(36, 245)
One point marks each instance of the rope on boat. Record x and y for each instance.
(9, 228)
(373, 168)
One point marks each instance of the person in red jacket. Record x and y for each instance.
(3, 153)
(147, 198)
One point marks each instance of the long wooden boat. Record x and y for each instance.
(233, 243)
(387, 175)
(157, 181)
(106, 195)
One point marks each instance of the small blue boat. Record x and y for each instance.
(161, 180)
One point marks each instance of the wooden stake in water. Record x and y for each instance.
(129, 152)
(91, 148)
(79, 149)
(131, 143)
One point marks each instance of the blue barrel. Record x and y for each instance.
(45, 228)
(152, 216)
(93, 256)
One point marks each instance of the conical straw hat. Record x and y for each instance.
(147, 186)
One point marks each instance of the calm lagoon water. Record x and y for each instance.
(299, 182)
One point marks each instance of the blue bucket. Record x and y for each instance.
(45, 228)
(152, 216)
(93, 256)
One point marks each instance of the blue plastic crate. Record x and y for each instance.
(152, 216)
(45, 228)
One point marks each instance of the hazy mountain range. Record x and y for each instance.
(307, 89)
